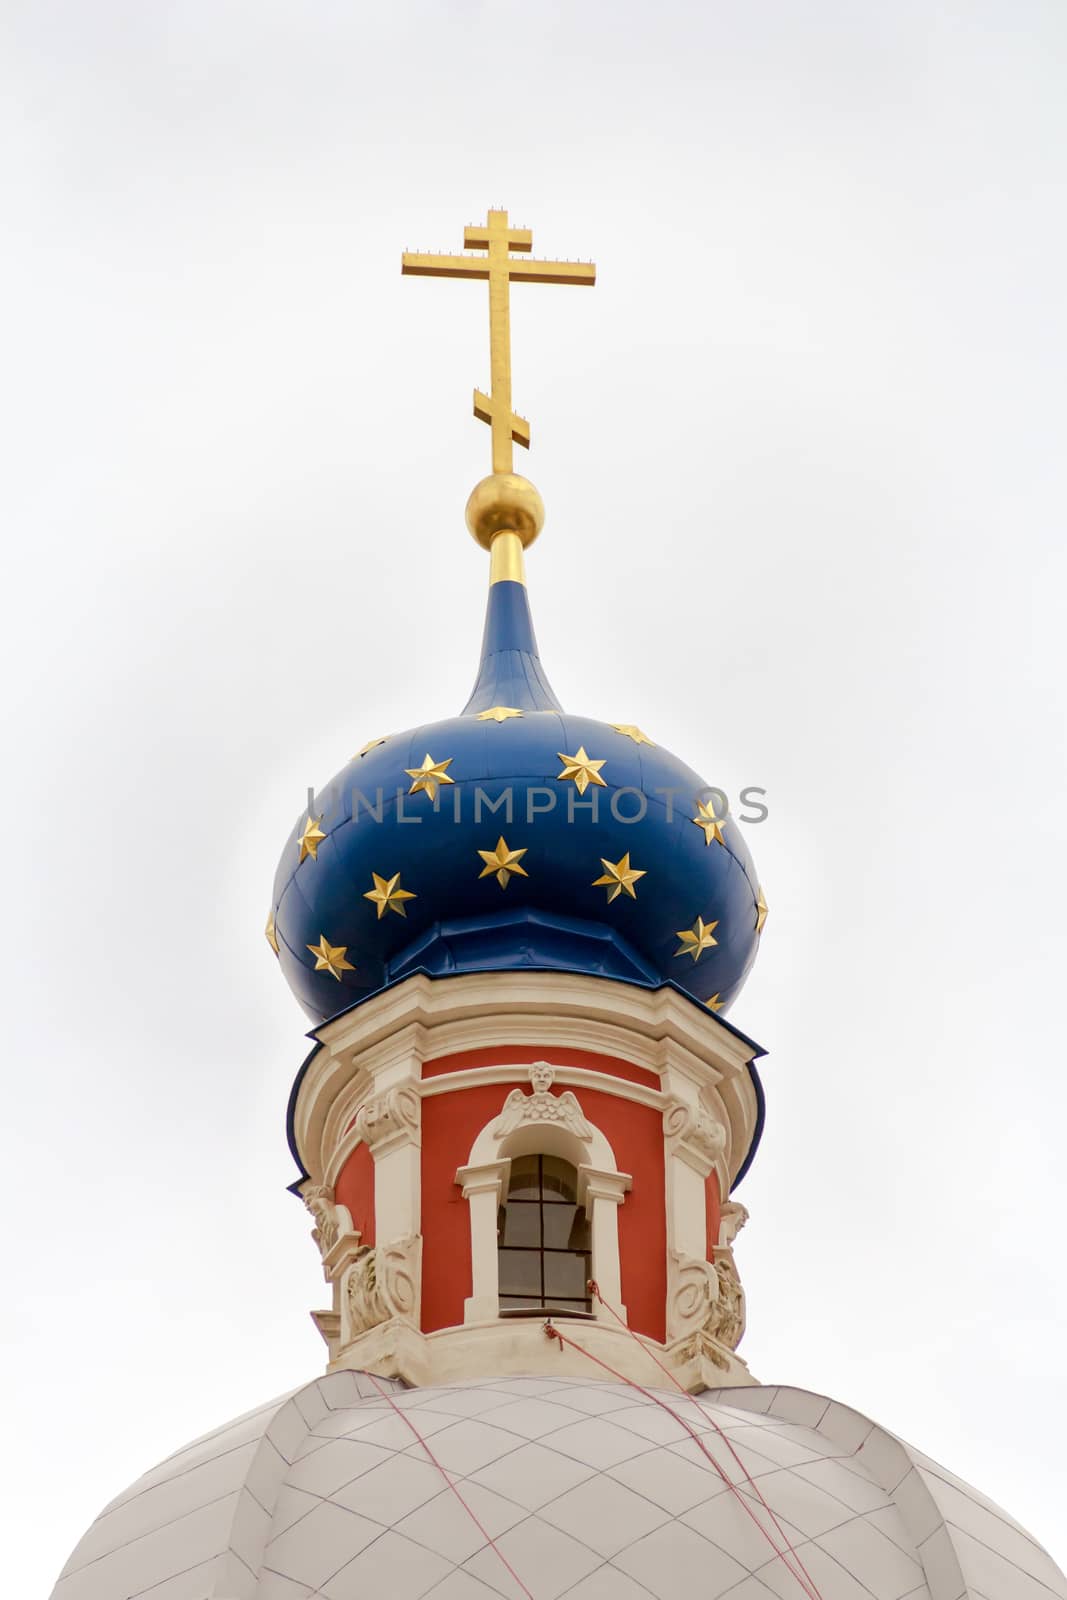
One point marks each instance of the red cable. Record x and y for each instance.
(802, 1577)
(467, 1508)
(594, 1288)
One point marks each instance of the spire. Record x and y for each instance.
(510, 674)
(505, 512)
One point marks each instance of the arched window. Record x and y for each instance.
(543, 1240)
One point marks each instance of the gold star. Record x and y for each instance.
(388, 895)
(330, 957)
(310, 839)
(697, 939)
(706, 819)
(619, 878)
(761, 910)
(429, 776)
(498, 714)
(580, 770)
(502, 862)
(632, 732)
(715, 1004)
(272, 934)
(371, 744)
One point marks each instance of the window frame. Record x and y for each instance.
(542, 1302)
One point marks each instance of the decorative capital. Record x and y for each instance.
(390, 1119)
(320, 1202)
(705, 1298)
(381, 1284)
(733, 1218)
(491, 1178)
(694, 1135)
(333, 1232)
(595, 1185)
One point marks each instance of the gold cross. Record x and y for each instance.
(501, 268)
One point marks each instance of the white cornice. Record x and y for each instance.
(389, 1036)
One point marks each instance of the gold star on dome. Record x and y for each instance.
(706, 819)
(715, 1003)
(271, 933)
(387, 895)
(631, 731)
(697, 939)
(502, 862)
(580, 770)
(498, 714)
(619, 878)
(330, 957)
(310, 839)
(371, 744)
(429, 776)
(761, 910)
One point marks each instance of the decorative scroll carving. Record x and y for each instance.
(392, 1115)
(542, 1106)
(382, 1283)
(706, 1297)
(726, 1319)
(690, 1294)
(331, 1220)
(693, 1132)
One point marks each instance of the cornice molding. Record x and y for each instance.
(396, 1349)
(387, 1038)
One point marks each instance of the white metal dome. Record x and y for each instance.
(589, 1490)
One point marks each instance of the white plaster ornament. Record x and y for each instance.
(542, 1106)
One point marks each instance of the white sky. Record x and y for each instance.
(802, 455)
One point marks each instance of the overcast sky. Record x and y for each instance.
(802, 456)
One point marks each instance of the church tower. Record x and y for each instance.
(518, 932)
(519, 1132)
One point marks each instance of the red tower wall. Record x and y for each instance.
(713, 1204)
(636, 1135)
(355, 1189)
(522, 1055)
(450, 1124)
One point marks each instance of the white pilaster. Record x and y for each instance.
(390, 1123)
(484, 1188)
(602, 1193)
(694, 1142)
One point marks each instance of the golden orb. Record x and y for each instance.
(505, 502)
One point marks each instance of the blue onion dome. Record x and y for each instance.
(514, 835)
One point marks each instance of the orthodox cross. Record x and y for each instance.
(501, 268)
